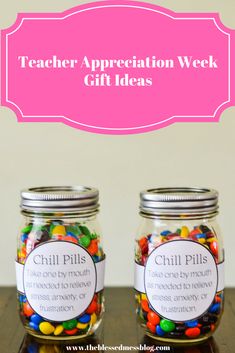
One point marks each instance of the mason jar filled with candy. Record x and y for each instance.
(179, 263)
(60, 262)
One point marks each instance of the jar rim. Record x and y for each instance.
(63, 199)
(178, 201)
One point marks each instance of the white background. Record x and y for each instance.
(120, 166)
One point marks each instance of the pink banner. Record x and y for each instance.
(117, 67)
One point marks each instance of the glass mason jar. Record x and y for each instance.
(179, 263)
(60, 262)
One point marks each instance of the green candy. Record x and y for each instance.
(70, 325)
(52, 226)
(73, 229)
(27, 229)
(84, 241)
(93, 236)
(85, 231)
(167, 325)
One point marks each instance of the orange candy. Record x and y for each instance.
(93, 247)
(28, 311)
(23, 251)
(71, 239)
(153, 318)
(145, 306)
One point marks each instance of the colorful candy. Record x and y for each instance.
(46, 328)
(153, 318)
(58, 330)
(167, 326)
(158, 326)
(192, 332)
(69, 325)
(31, 236)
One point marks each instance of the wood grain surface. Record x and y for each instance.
(119, 328)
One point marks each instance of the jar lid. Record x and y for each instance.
(178, 201)
(60, 199)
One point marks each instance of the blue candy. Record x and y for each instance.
(165, 233)
(71, 235)
(192, 323)
(200, 236)
(215, 308)
(22, 299)
(84, 319)
(159, 331)
(36, 319)
(24, 237)
(34, 326)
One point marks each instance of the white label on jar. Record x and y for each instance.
(180, 280)
(59, 280)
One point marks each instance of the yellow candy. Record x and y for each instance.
(22, 255)
(210, 240)
(46, 328)
(59, 230)
(202, 240)
(93, 319)
(144, 296)
(58, 330)
(82, 326)
(184, 232)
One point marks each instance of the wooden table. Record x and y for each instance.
(119, 327)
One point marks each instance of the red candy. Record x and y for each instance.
(192, 332)
(151, 327)
(143, 243)
(214, 248)
(71, 332)
(194, 232)
(92, 307)
(153, 318)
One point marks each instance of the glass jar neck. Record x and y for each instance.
(89, 216)
(180, 217)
